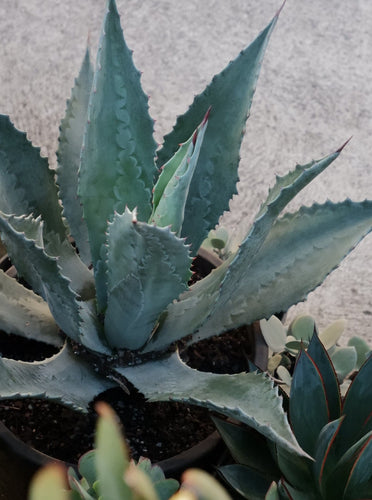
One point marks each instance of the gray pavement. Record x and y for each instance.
(314, 93)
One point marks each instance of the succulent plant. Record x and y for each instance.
(122, 294)
(107, 473)
(335, 432)
(287, 343)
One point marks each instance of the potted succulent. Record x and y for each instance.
(119, 295)
(333, 430)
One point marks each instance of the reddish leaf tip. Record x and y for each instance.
(345, 143)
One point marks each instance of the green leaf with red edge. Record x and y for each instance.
(325, 455)
(339, 478)
(359, 484)
(357, 409)
(308, 408)
(319, 355)
(249, 483)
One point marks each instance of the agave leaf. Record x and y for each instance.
(362, 349)
(344, 360)
(63, 377)
(68, 154)
(111, 456)
(357, 409)
(230, 96)
(248, 448)
(42, 272)
(117, 163)
(319, 355)
(24, 313)
(26, 183)
(274, 333)
(325, 456)
(170, 207)
(272, 492)
(307, 417)
(49, 483)
(248, 397)
(297, 470)
(343, 472)
(135, 299)
(247, 482)
(359, 483)
(300, 251)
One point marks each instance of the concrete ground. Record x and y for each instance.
(314, 93)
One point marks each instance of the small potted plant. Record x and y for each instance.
(116, 302)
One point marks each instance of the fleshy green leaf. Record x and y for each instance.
(76, 319)
(248, 397)
(117, 163)
(274, 333)
(87, 467)
(357, 409)
(248, 447)
(49, 483)
(111, 457)
(319, 355)
(344, 360)
(170, 207)
(63, 377)
(300, 251)
(308, 409)
(26, 183)
(24, 313)
(302, 328)
(148, 267)
(249, 483)
(197, 484)
(68, 154)
(229, 95)
(330, 335)
(362, 349)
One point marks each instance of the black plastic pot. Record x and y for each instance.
(19, 462)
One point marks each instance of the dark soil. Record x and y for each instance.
(156, 430)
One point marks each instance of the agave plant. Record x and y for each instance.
(136, 222)
(335, 432)
(107, 472)
(287, 343)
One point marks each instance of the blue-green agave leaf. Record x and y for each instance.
(325, 456)
(111, 456)
(247, 482)
(248, 447)
(308, 408)
(27, 184)
(319, 355)
(170, 207)
(272, 492)
(359, 483)
(24, 313)
(230, 96)
(248, 397)
(300, 251)
(296, 470)
(68, 155)
(117, 162)
(140, 257)
(357, 409)
(23, 238)
(63, 377)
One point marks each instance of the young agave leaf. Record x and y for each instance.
(357, 409)
(307, 417)
(230, 96)
(26, 183)
(233, 395)
(68, 155)
(300, 251)
(247, 482)
(54, 378)
(117, 163)
(24, 313)
(249, 448)
(170, 207)
(135, 299)
(111, 456)
(272, 493)
(319, 355)
(325, 457)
